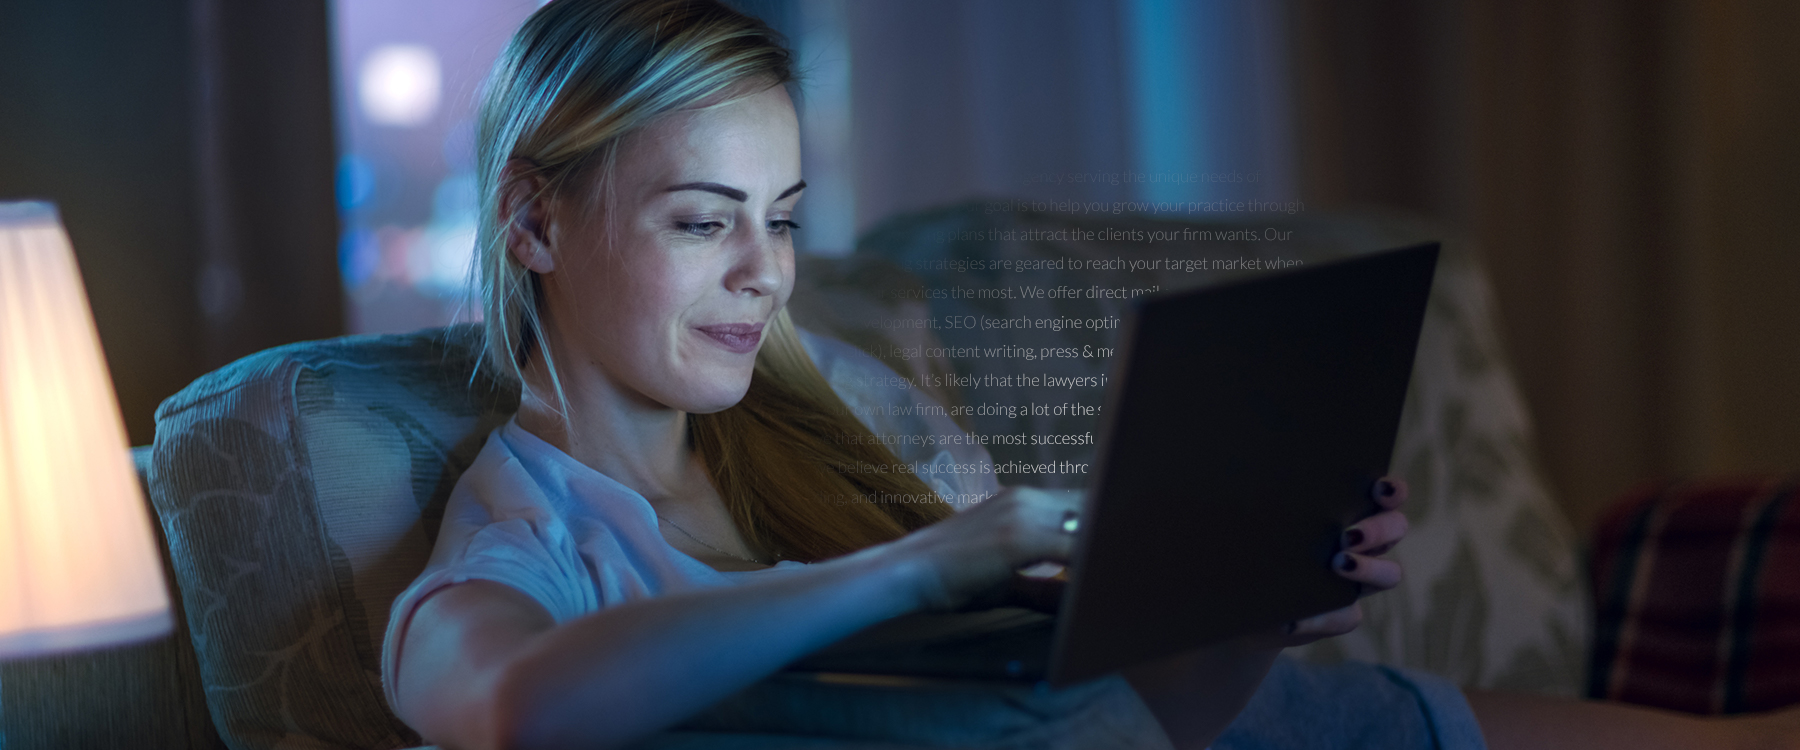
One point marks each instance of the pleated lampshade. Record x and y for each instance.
(78, 563)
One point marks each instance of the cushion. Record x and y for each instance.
(300, 489)
(1494, 597)
(1697, 596)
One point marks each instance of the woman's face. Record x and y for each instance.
(665, 287)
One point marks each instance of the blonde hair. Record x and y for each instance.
(799, 473)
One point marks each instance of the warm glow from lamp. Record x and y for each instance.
(78, 564)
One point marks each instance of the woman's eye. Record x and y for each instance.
(701, 228)
(780, 227)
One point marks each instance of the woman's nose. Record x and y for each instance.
(757, 267)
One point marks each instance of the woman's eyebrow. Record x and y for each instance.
(731, 192)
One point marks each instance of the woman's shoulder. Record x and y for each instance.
(503, 494)
(517, 472)
(524, 499)
(505, 481)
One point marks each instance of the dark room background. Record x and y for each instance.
(1626, 168)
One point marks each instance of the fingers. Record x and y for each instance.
(1375, 535)
(996, 595)
(1374, 573)
(1040, 594)
(1377, 532)
(1359, 561)
(1060, 507)
(1389, 492)
(1057, 500)
(1369, 538)
(1333, 623)
(1031, 523)
(1062, 500)
(971, 554)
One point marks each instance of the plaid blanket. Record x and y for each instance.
(1697, 589)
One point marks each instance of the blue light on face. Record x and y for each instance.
(355, 182)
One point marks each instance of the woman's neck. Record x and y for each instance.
(638, 443)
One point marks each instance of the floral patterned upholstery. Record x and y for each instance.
(299, 489)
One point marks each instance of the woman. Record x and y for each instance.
(608, 566)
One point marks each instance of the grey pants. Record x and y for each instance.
(1299, 707)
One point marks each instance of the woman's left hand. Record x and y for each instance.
(1361, 561)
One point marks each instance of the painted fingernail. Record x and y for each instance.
(1345, 562)
(1386, 488)
(1353, 537)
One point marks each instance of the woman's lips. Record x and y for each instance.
(737, 337)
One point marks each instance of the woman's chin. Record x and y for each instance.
(711, 397)
(700, 381)
(710, 408)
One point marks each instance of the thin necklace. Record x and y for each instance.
(702, 542)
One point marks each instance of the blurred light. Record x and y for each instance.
(459, 145)
(445, 253)
(400, 84)
(443, 257)
(455, 199)
(355, 181)
(358, 257)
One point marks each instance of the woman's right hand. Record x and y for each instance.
(978, 549)
(1361, 561)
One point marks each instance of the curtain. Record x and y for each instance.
(1630, 171)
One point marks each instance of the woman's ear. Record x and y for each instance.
(525, 215)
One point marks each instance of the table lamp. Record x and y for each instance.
(78, 563)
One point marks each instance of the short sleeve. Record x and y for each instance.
(520, 542)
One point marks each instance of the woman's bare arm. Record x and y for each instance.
(482, 665)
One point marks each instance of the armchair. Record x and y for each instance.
(299, 489)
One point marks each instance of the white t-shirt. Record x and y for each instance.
(527, 515)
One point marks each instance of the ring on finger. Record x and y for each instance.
(1071, 522)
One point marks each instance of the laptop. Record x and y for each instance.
(1244, 428)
